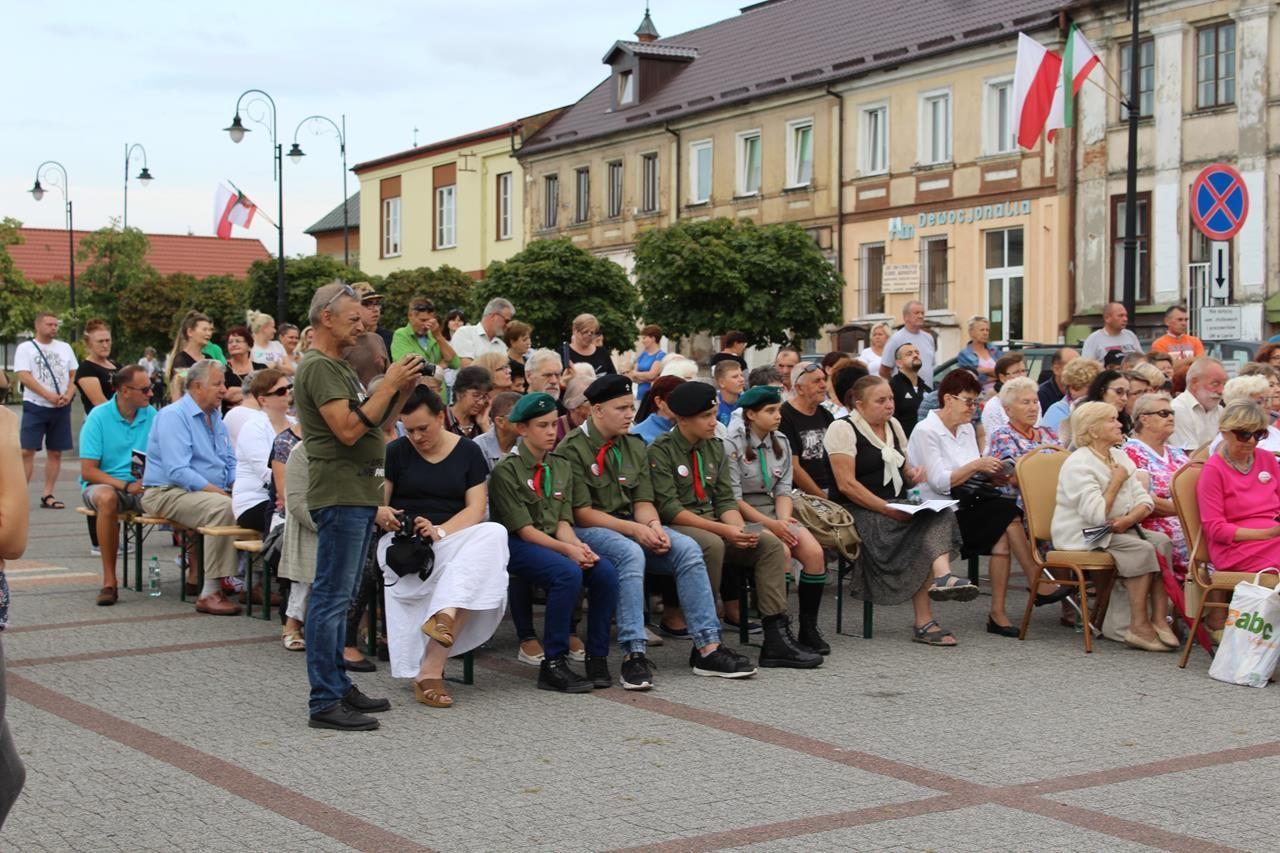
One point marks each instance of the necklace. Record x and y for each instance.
(1245, 470)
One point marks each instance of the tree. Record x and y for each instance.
(223, 298)
(772, 282)
(20, 298)
(447, 287)
(117, 261)
(302, 278)
(553, 281)
(149, 314)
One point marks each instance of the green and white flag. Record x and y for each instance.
(1078, 59)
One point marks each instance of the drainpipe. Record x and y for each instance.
(839, 187)
(1072, 201)
(675, 204)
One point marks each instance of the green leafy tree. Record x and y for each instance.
(771, 282)
(116, 261)
(20, 298)
(553, 281)
(149, 314)
(302, 278)
(447, 287)
(224, 298)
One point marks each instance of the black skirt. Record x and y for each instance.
(982, 525)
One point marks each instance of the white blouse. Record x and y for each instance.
(934, 448)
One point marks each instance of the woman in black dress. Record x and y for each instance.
(96, 380)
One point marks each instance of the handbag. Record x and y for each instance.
(830, 523)
(975, 491)
(1250, 644)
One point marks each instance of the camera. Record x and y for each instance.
(427, 369)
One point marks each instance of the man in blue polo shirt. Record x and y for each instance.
(109, 475)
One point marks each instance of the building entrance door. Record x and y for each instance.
(1004, 279)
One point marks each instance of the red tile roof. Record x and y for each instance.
(42, 256)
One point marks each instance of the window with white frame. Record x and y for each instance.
(550, 200)
(446, 217)
(935, 127)
(1216, 65)
(649, 183)
(800, 152)
(582, 195)
(1000, 134)
(749, 162)
(504, 206)
(626, 87)
(615, 189)
(391, 227)
(700, 165)
(873, 156)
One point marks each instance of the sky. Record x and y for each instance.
(87, 78)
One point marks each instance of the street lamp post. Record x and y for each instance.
(46, 169)
(144, 177)
(296, 154)
(1130, 292)
(236, 130)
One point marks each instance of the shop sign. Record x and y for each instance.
(1221, 323)
(977, 213)
(900, 278)
(900, 231)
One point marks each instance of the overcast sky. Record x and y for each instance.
(87, 77)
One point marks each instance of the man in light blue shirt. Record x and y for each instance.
(190, 468)
(109, 478)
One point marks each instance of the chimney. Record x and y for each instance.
(646, 32)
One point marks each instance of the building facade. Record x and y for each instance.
(335, 238)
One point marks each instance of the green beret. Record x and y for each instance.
(760, 395)
(691, 398)
(532, 406)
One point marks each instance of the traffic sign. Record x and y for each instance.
(1219, 270)
(1219, 202)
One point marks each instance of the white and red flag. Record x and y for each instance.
(231, 208)
(1034, 79)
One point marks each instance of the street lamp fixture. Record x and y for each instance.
(52, 171)
(144, 177)
(237, 130)
(259, 108)
(37, 191)
(296, 155)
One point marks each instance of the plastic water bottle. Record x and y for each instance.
(153, 577)
(913, 496)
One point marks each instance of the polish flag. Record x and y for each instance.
(1034, 79)
(231, 208)
(1078, 59)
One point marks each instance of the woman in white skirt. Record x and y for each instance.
(436, 484)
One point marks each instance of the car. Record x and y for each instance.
(1039, 359)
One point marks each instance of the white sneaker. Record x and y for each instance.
(531, 660)
(579, 656)
(94, 552)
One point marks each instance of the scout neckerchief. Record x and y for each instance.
(695, 457)
(542, 477)
(607, 450)
(764, 468)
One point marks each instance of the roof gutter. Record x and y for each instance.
(675, 202)
(839, 181)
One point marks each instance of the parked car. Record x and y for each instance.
(1038, 357)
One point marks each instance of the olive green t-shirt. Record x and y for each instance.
(340, 475)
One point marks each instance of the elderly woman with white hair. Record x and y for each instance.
(1148, 446)
(680, 367)
(1098, 491)
(1256, 388)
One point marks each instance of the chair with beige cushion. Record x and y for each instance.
(1201, 581)
(1038, 479)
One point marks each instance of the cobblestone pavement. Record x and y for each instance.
(147, 727)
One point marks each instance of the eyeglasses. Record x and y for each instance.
(967, 402)
(1119, 392)
(1245, 435)
(279, 392)
(1161, 413)
(145, 389)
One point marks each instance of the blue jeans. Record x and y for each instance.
(684, 561)
(563, 580)
(344, 534)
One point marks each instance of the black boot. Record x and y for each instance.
(810, 592)
(780, 647)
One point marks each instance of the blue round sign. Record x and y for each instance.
(1219, 202)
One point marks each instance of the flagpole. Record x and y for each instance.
(1131, 179)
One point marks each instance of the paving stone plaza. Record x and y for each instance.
(148, 727)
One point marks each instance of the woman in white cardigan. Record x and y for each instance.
(1097, 487)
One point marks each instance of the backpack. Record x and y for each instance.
(829, 522)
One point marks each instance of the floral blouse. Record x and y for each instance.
(1008, 443)
(1162, 469)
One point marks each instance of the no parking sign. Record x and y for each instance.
(1219, 202)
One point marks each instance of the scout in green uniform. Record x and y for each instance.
(531, 494)
(614, 510)
(693, 493)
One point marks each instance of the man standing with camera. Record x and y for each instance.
(341, 432)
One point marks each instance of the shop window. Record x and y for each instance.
(800, 153)
(649, 183)
(874, 148)
(1146, 77)
(1005, 283)
(1144, 248)
(872, 257)
(1216, 65)
(550, 200)
(749, 163)
(700, 171)
(934, 283)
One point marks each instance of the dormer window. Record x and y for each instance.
(626, 87)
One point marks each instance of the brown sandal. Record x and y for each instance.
(107, 596)
(431, 692)
(440, 629)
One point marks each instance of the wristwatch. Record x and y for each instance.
(443, 533)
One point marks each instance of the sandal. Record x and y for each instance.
(932, 634)
(431, 692)
(293, 641)
(439, 628)
(50, 502)
(948, 587)
(107, 596)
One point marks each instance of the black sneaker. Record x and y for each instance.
(557, 675)
(598, 673)
(357, 701)
(724, 662)
(343, 718)
(637, 672)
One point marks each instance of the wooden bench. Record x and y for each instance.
(201, 533)
(253, 548)
(134, 530)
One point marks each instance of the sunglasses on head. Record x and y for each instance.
(1245, 435)
(808, 367)
(347, 290)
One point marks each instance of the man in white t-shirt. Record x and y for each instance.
(912, 332)
(1113, 336)
(46, 367)
(469, 342)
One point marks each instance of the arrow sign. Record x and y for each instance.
(1219, 202)
(1220, 270)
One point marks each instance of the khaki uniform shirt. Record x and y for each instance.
(614, 486)
(513, 501)
(673, 464)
